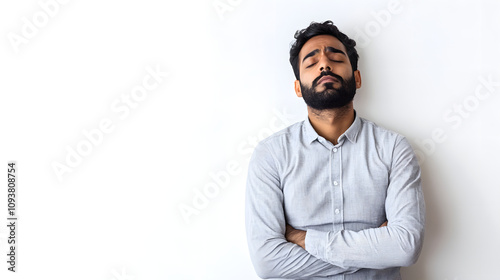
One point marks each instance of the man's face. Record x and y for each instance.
(326, 77)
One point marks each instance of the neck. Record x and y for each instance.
(331, 123)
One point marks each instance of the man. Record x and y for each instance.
(334, 196)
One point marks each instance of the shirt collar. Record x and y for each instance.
(351, 133)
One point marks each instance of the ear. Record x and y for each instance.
(297, 88)
(357, 78)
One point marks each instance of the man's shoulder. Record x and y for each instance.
(375, 130)
(286, 135)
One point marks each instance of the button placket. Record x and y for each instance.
(336, 169)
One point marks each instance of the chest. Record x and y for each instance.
(335, 186)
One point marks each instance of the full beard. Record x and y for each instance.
(330, 97)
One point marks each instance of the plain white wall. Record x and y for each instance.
(135, 206)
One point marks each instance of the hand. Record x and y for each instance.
(296, 236)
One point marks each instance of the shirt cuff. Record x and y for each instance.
(316, 243)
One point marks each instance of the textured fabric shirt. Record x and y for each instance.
(340, 194)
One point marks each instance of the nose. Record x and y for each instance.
(325, 68)
(324, 63)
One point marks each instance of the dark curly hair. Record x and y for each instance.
(315, 29)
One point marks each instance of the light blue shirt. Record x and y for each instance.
(340, 194)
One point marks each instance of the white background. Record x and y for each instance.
(117, 215)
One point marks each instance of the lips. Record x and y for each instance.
(327, 79)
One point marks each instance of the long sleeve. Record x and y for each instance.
(399, 243)
(271, 254)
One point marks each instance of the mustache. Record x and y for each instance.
(327, 73)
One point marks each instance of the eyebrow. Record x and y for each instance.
(327, 49)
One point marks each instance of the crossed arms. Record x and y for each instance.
(280, 253)
(298, 236)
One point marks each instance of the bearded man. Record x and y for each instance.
(334, 196)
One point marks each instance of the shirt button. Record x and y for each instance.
(334, 150)
(337, 211)
(335, 183)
